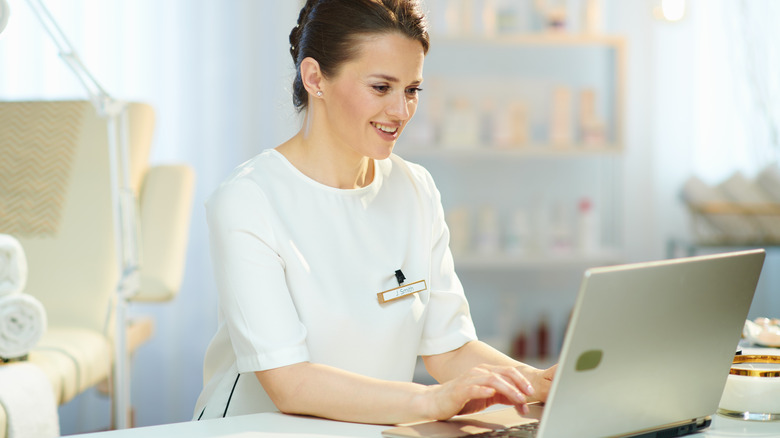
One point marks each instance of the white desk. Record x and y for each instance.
(274, 424)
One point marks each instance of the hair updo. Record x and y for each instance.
(329, 31)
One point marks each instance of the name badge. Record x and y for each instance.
(401, 291)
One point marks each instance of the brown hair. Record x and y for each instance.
(329, 31)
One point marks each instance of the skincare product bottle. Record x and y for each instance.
(520, 345)
(487, 18)
(587, 227)
(461, 125)
(512, 124)
(460, 230)
(560, 229)
(487, 231)
(543, 339)
(560, 120)
(591, 125)
(517, 233)
(592, 19)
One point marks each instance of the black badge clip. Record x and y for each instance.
(399, 276)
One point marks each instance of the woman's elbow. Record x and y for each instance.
(281, 386)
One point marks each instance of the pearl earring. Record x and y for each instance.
(319, 93)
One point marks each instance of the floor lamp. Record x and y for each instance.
(122, 198)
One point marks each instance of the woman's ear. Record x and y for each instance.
(311, 75)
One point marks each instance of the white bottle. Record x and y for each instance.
(588, 238)
(459, 225)
(517, 234)
(488, 234)
(461, 125)
(561, 241)
(593, 17)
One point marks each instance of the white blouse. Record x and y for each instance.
(298, 267)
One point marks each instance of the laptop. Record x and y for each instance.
(646, 353)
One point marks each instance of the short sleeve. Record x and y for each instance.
(262, 322)
(448, 324)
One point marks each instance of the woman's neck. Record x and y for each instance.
(330, 165)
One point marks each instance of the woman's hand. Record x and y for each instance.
(478, 388)
(541, 381)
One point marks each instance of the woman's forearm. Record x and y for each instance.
(324, 391)
(472, 378)
(446, 366)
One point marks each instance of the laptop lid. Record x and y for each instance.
(650, 344)
(648, 347)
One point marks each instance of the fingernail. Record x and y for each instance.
(526, 410)
(529, 390)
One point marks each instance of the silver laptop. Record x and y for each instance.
(647, 353)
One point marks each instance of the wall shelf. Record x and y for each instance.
(484, 151)
(534, 39)
(520, 131)
(568, 261)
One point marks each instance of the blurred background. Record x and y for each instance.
(562, 135)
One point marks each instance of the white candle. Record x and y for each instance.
(757, 392)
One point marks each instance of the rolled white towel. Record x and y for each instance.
(13, 266)
(22, 323)
(29, 402)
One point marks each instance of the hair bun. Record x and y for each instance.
(295, 34)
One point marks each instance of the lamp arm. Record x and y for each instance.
(115, 112)
(123, 203)
(100, 98)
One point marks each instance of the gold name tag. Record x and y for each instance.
(401, 291)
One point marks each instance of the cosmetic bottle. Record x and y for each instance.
(487, 231)
(543, 339)
(519, 348)
(461, 125)
(561, 241)
(587, 227)
(560, 120)
(460, 235)
(517, 233)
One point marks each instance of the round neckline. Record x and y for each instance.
(374, 183)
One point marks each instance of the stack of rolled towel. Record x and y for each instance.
(22, 316)
(25, 392)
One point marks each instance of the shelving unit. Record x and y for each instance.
(507, 263)
(484, 151)
(477, 170)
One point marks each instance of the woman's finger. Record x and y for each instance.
(507, 382)
(514, 377)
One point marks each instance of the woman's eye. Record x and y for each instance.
(413, 91)
(381, 88)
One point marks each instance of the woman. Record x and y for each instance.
(307, 236)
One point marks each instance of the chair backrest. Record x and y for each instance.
(55, 198)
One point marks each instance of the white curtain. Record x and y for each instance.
(737, 77)
(218, 73)
(711, 95)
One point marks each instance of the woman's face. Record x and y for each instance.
(372, 97)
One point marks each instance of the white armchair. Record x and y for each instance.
(55, 198)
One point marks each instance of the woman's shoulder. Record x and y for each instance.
(417, 173)
(245, 181)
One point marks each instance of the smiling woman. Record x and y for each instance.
(359, 113)
(307, 239)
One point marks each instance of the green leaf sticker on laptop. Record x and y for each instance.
(589, 360)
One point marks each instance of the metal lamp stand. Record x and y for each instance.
(123, 203)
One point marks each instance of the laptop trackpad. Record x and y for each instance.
(485, 421)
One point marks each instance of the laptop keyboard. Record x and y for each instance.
(527, 430)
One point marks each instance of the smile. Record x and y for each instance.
(383, 128)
